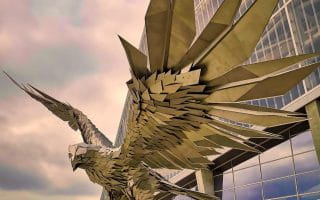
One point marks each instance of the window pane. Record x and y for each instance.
(276, 169)
(310, 197)
(246, 176)
(280, 151)
(223, 182)
(217, 181)
(228, 195)
(302, 142)
(252, 192)
(309, 182)
(279, 102)
(306, 162)
(225, 195)
(181, 197)
(279, 188)
(248, 163)
(227, 180)
(288, 198)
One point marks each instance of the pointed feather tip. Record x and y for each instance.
(122, 40)
(14, 81)
(119, 36)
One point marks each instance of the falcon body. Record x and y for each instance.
(120, 178)
(185, 96)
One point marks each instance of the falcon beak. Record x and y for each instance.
(75, 165)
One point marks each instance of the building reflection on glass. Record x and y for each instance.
(287, 171)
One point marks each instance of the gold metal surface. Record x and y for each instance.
(177, 118)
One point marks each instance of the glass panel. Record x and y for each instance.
(288, 198)
(309, 182)
(276, 169)
(181, 197)
(225, 195)
(224, 181)
(227, 181)
(271, 103)
(280, 151)
(306, 162)
(279, 188)
(248, 163)
(295, 92)
(217, 181)
(310, 197)
(287, 98)
(279, 102)
(252, 192)
(302, 142)
(246, 176)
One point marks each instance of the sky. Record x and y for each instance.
(70, 50)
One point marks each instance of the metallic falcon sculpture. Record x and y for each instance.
(184, 94)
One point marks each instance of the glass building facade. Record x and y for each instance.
(293, 29)
(290, 170)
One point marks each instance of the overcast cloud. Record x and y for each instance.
(69, 49)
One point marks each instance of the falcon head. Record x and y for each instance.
(82, 155)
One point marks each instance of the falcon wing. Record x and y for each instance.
(177, 117)
(75, 118)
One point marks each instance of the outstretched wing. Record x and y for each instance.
(177, 118)
(75, 118)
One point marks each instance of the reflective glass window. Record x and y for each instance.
(284, 49)
(223, 181)
(294, 93)
(280, 151)
(301, 88)
(279, 102)
(255, 102)
(280, 31)
(225, 195)
(276, 52)
(271, 103)
(309, 182)
(246, 176)
(287, 98)
(279, 188)
(317, 8)
(288, 198)
(306, 162)
(263, 102)
(252, 192)
(181, 197)
(310, 14)
(302, 142)
(251, 162)
(218, 181)
(278, 168)
(227, 180)
(273, 38)
(310, 197)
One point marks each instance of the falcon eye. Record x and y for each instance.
(70, 155)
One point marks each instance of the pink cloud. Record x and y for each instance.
(23, 33)
(33, 136)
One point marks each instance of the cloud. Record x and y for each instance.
(38, 162)
(27, 195)
(16, 179)
(70, 50)
(40, 42)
